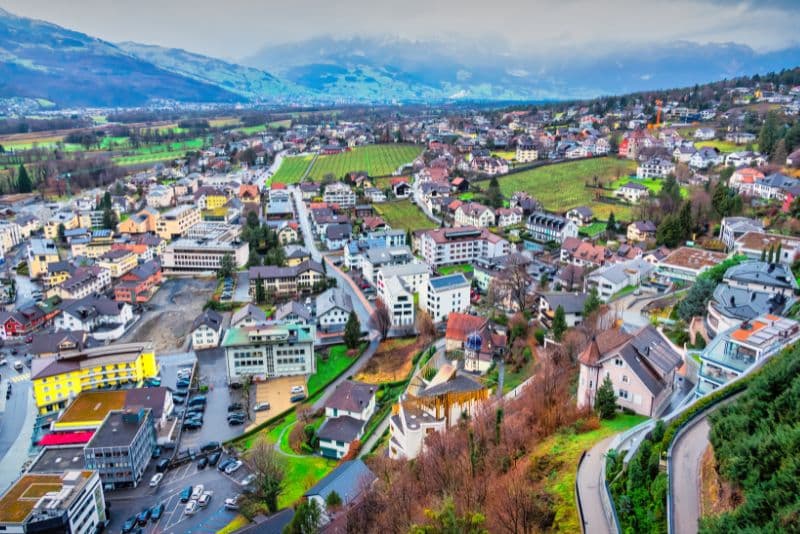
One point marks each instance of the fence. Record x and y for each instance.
(577, 494)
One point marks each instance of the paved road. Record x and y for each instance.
(276, 164)
(687, 454)
(16, 425)
(418, 200)
(305, 224)
(591, 483)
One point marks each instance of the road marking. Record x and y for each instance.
(20, 378)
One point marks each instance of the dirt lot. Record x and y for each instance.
(173, 309)
(276, 392)
(392, 361)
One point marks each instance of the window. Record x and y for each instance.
(618, 362)
(625, 379)
(623, 394)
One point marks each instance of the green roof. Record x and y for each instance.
(241, 336)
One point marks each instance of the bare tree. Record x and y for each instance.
(425, 327)
(268, 467)
(515, 282)
(381, 318)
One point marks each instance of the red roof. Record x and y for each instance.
(460, 325)
(277, 185)
(66, 438)
(399, 179)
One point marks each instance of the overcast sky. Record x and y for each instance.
(233, 29)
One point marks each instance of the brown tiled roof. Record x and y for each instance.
(460, 325)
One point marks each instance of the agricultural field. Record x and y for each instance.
(162, 152)
(404, 214)
(285, 123)
(375, 160)
(561, 187)
(392, 361)
(505, 154)
(292, 169)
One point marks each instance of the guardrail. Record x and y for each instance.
(578, 495)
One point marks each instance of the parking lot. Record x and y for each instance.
(277, 392)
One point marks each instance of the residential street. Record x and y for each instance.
(16, 425)
(590, 485)
(687, 454)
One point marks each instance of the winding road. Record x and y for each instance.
(687, 455)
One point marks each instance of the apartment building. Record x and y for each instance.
(10, 236)
(526, 151)
(84, 281)
(754, 244)
(122, 447)
(41, 252)
(399, 299)
(140, 223)
(474, 214)
(286, 281)
(118, 262)
(448, 246)
(176, 222)
(545, 227)
(269, 350)
(446, 294)
(377, 258)
(341, 194)
(200, 255)
(58, 378)
(686, 263)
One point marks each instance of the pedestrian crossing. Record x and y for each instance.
(20, 378)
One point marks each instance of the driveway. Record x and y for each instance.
(687, 454)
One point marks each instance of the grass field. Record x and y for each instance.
(450, 269)
(328, 369)
(376, 160)
(404, 214)
(292, 169)
(560, 187)
(593, 229)
(162, 152)
(505, 154)
(723, 146)
(563, 452)
(653, 184)
(285, 123)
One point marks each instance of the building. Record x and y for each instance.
(774, 278)
(655, 167)
(641, 366)
(200, 255)
(118, 262)
(248, 315)
(71, 502)
(355, 250)
(571, 303)
(206, 330)
(639, 231)
(399, 299)
(41, 252)
(84, 281)
(731, 306)
(104, 318)
(89, 409)
(476, 339)
(581, 216)
(735, 351)
(337, 235)
(474, 214)
(686, 263)
(140, 284)
(432, 406)
(280, 282)
(142, 222)
(448, 246)
(176, 222)
(347, 411)
(612, 279)
(526, 151)
(293, 312)
(122, 447)
(446, 294)
(508, 216)
(754, 244)
(269, 350)
(632, 192)
(349, 480)
(10, 236)
(583, 254)
(378, 258)
(58, 378)
(333, 307)
(733, 228)
(774, 186)
(341, 194)
(413, 276)
(545, 227)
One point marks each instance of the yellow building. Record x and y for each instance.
(70, 221)
(118, 262)
(41, 252)
(140, 223)
(177, 221)
(210, 198)
(56, 379)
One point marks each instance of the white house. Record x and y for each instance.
(446, 294)
(333, 308)
(632, 192)
(104, 318)
(347, 410)
(399, 300)
(655, 167)
(474, 214)
(341, 194)
(206, 330)
(508, 216)
(611, 279)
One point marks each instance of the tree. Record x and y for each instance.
(261, 292)
(671, 231)
(425, 326)
(493, 194)
(381, 318)
(559, 323)
(447, 521)
(352, 331)
(253, 259)
(333, 500)
(24, 184)
(696, 299)
(592, 303)
(515, 283)
(611, 225)
(62, 232)
(268, 467)
(226, 266)
(769, 135)
(110, 219)
(105, 202)
(606, 400)
(307, 519)
(780, 153)
(252, 219)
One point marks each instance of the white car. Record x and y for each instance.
(233, 467)
(232, 503)
(3, 362)
(261, 406)
(249, 479)
(156, 479)
(18, 365)
(204, 499)
(297, 389)
(197, 492)
(191, 508)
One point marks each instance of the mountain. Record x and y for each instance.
(42, 60)
(247, 82)
(362, 67)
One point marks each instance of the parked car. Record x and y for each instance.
(5, 362)
(210, 446)
(197, 400)
(297, 389)
(233, 467)
(197, 491)
(249, 479)
(162, 464)
(235, 421)
(129, 525)
(233, 407)
(298, 397)
(232, 503)
(156, 480)
(186, 494)
(225, 463)
(191, 508)
(157, 512)
(214, 457)
(261, 406)
(18, 365)
(202, 463)
(204, 499)
(156, 452)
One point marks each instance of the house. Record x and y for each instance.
(41, 252)
(139, 284)
(753, 276)
(400, 187)
(743, 180)
(745, 157)
(705, 157)
(349, 480)
(753, 244)
(84, 281)
(734, 352)
(104, 318)
(655, 167)
(337, 235)
(571, 303)
(248, 315)
(686, 263)
(341, 194)
(632, 192)
(793, 159)
(293, 312)
(582, 253)
(733, 228)
(683, 153)
(611, 279)
(286, 281)
(445, 295)
(774, 186)
(545, 227)
(639, 231)
(118, 262)
(581, 216)
(705, 134)
(347, 411)
(641, 366)
(474, 214)
(140, 223)
(374, 194)
(21, 321)
(731, 306)
(206, 330)
(508, 216)
(333, 307)
(459, 184)
(523, 200)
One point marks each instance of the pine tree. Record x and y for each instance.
(352, 331)
(110, 219)
(769, 135)
(493, 194)
(611, 225)
(592, 303)
(559, 323)
(24, 184)
(763, 254)
(606, 400)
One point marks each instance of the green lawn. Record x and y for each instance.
(327, 370)
(292, 169)
(466, 197)
(505, 154)
(561, 187)
(450, 269)
(593, 229)
(404, 214)
(376, 160)
(723, 146)
(565, 450)
(653, 184)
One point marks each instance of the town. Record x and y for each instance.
(245, 321)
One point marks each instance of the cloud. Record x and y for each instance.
(237, 28)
